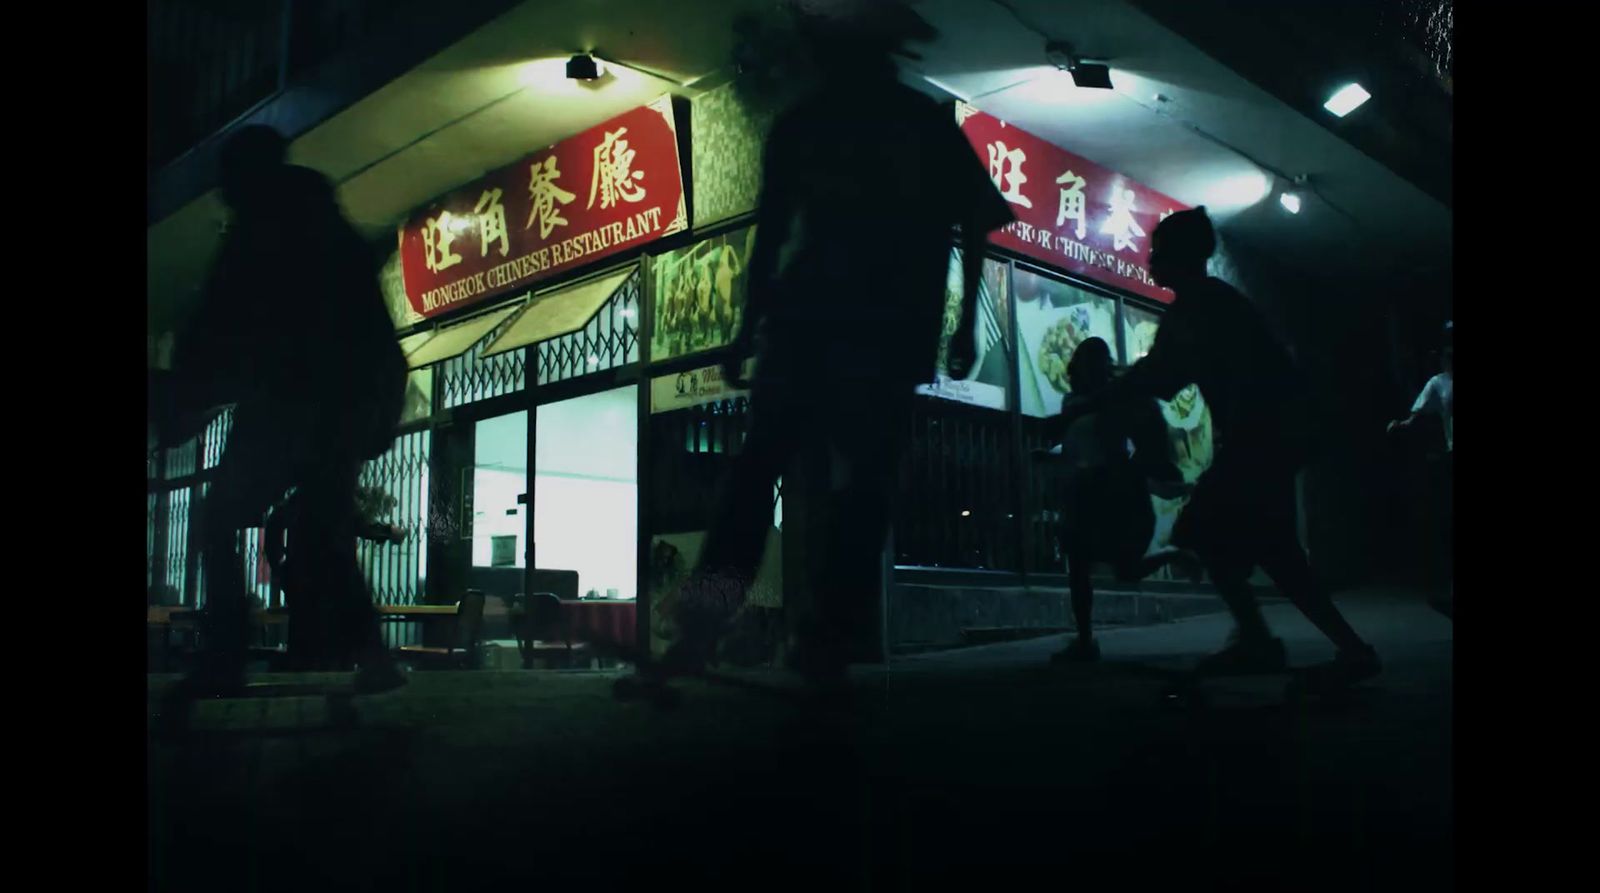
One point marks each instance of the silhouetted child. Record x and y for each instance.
(1111, 458)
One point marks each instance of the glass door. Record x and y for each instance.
(499, 533)
(586, 496)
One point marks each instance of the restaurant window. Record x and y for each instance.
(586, 491)
(1139, 330)
(1188, 421)
(1053, 318)
(986, 387)
(1187, 416)
(499, 479)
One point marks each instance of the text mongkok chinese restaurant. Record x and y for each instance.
(566, 424)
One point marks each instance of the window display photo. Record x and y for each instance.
(1053, 318)
(986, 387)
(699, 295)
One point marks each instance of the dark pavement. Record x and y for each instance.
(979, 769)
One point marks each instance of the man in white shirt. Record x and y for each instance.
(1438, 399)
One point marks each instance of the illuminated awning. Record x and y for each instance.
(411, 342)
(454, 340)
(559, 311)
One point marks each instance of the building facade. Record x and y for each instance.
(564, 316)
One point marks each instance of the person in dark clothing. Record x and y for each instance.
(1111, 459)
(292, 330)
(1242, 514)
(320, 635)
(864, 182)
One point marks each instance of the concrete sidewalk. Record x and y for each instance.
(981, 766)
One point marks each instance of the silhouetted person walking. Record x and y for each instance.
(1242, 514)
(863, 183)
(1106, 514)
(294, 332)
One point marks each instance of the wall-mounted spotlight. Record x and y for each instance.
(1349, 98)
(584, 67)
(1290, 198)
(1090, 75)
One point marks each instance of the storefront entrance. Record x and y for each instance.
(569, 529)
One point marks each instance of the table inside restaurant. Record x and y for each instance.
(401, 613)
(605, 620)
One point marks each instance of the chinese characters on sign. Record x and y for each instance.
(467, 246)
(1071, 213)
(612, 177)
(545, 194)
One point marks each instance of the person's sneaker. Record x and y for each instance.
(1080, 650)
(1246, 657)
(378, 677)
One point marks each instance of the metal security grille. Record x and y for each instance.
(176, 564)
(609, 340)
(1041, 505)
(396, 573)
(469, 378)
(182, 460)
(690, 450)
(152, 525)
(257, 578)
(960, 501)
(215, 437)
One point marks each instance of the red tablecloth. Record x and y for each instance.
(608, 621)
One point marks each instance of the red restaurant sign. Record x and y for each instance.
(610, 188)
(1071, 213)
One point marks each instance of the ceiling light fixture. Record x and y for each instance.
(1349, 98)
(584, 67)
(1290, 202)
(1086, 74)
